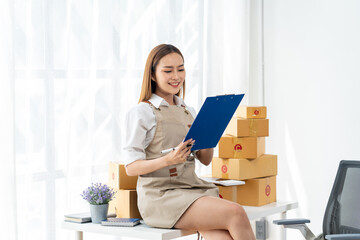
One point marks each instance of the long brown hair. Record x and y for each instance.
(148, 86)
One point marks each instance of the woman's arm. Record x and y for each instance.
(141, 167)
(205, 155)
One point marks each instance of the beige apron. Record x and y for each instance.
(165, 194)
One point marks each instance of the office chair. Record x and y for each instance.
(342, 214)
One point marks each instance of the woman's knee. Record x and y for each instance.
(240, 211)
(238, 214)
(236, 209)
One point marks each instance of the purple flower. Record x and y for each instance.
(98, 193)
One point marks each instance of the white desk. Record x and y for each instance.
(145, 232)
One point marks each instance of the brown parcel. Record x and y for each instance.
(251, 112)
(125, 204)
(118, 178)
(244, 147)
(228, 192)
(243, 169)
(255, 192)
(243, 127)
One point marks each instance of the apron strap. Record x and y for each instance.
(152, 105)
(185, 109)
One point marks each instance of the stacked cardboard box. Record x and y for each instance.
(242, 157)
(125, 202)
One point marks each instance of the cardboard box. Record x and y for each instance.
(244, 147)
(243, 169)
(257, 192)
(243, 127)
(251, 112)
(228, 193)
(125, 204)
(118, 178)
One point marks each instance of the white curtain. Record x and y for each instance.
(7, 132)
(71, 69)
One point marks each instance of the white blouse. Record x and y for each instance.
(140, 126)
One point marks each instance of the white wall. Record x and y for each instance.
(312, 85)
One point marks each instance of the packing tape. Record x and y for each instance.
(238, 155)
(267, 190)
(224, 170)
(237, 147)
(225, 175)
(257, 112)
(253, 127)
(254, 112)
(234, 196)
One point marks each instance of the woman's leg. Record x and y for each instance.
(216, 235)
(211, 213)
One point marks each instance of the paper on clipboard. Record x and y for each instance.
(223, 182)
(212, 119)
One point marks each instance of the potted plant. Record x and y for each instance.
(98, 195)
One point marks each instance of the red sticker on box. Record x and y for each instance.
(220, 196)
(113, 176)
(267, 190)
(256, 112)
(238, 147)
(224, 168)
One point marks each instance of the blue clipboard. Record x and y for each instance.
(212, 119)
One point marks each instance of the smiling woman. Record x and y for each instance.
(170, 195)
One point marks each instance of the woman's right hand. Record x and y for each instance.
(180, 154)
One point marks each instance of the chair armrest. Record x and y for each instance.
(297, 223)
(343, 236)
(291, 221)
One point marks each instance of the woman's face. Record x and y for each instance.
(170, 75)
